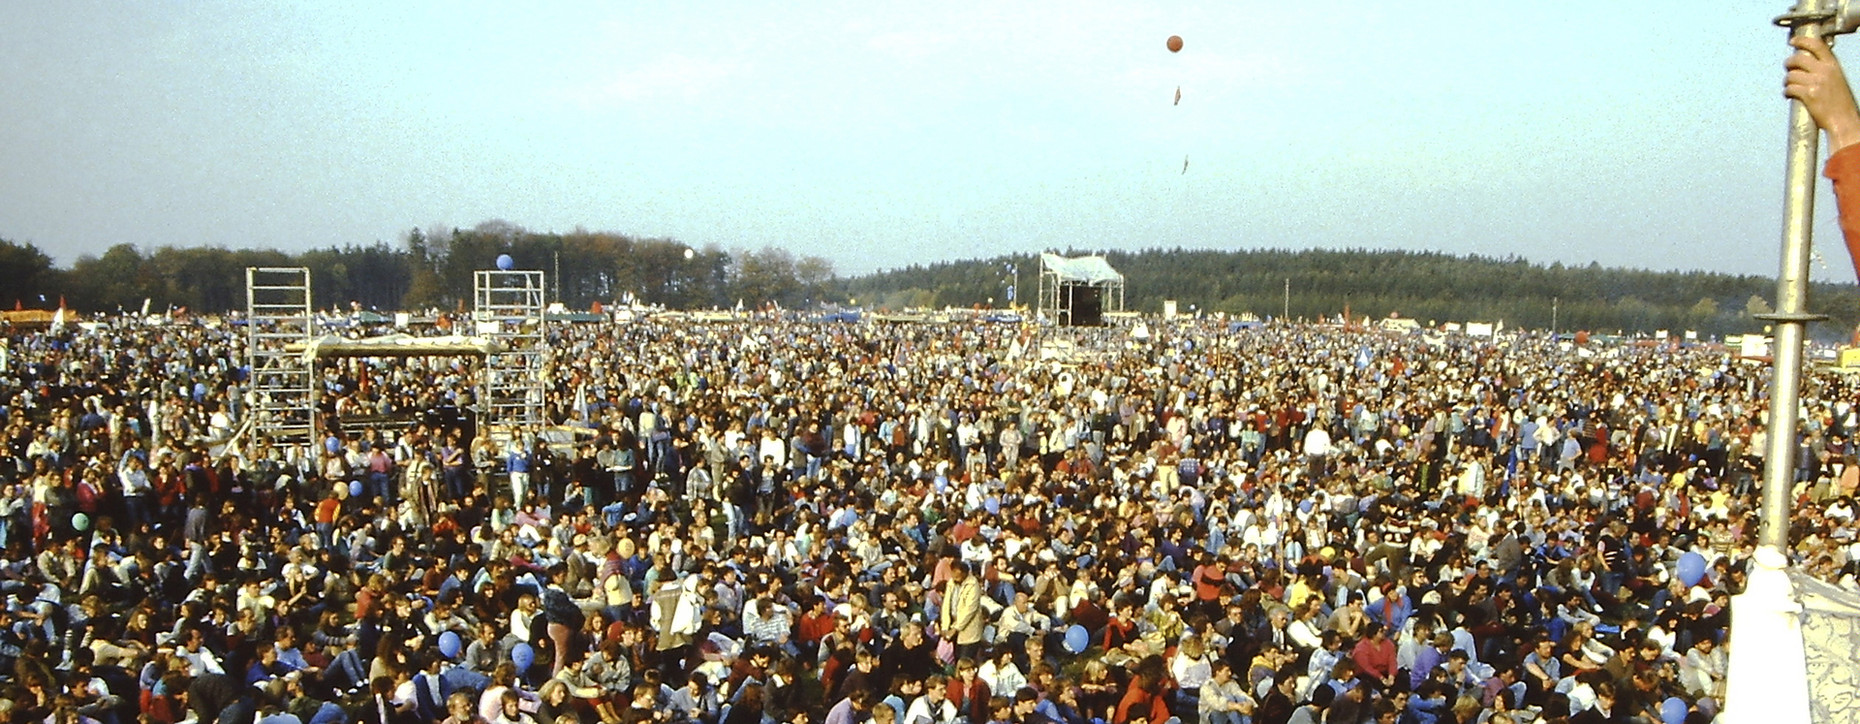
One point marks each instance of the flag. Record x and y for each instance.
(1010, 293)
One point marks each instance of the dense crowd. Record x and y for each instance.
(768, 521)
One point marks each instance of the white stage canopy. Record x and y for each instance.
(1080, 270)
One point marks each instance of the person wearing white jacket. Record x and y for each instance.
(677, 610)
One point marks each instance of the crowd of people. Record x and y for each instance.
(769, 521)
(766, 521)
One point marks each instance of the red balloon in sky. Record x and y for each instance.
(1175, 43)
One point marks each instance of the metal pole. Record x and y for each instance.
(1554, 301)
(1791, 319)
(1286, 313)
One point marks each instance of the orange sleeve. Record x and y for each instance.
(1843, 169)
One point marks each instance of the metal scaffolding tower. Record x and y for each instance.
(282, 388)
(508, 308)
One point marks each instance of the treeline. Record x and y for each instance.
(1426, 286)
(425, 269)
(433, 268)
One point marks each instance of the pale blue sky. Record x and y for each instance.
(879, 134)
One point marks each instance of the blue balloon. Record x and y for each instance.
(1674, 710)
(1691, 569)
(355, 488)
(522, 655)
(506, 263)
(1077, 639)
(449, 644)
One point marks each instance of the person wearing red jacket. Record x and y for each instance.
(816, 623)
(1375, 655)
(1145, 699)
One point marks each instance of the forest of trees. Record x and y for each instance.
(427, 269)
(1426, 286)
(433, 268)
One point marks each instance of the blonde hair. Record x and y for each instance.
(1466, 708)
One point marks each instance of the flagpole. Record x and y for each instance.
(1767, 676)
(1791, 318)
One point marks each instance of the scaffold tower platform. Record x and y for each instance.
(282, 387)
(508, 308)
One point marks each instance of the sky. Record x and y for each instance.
(880, 134)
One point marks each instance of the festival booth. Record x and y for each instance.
(31, 318)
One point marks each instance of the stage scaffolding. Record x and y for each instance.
(508, 308)
(282, 352)
(1064, 281)
(283, 385)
